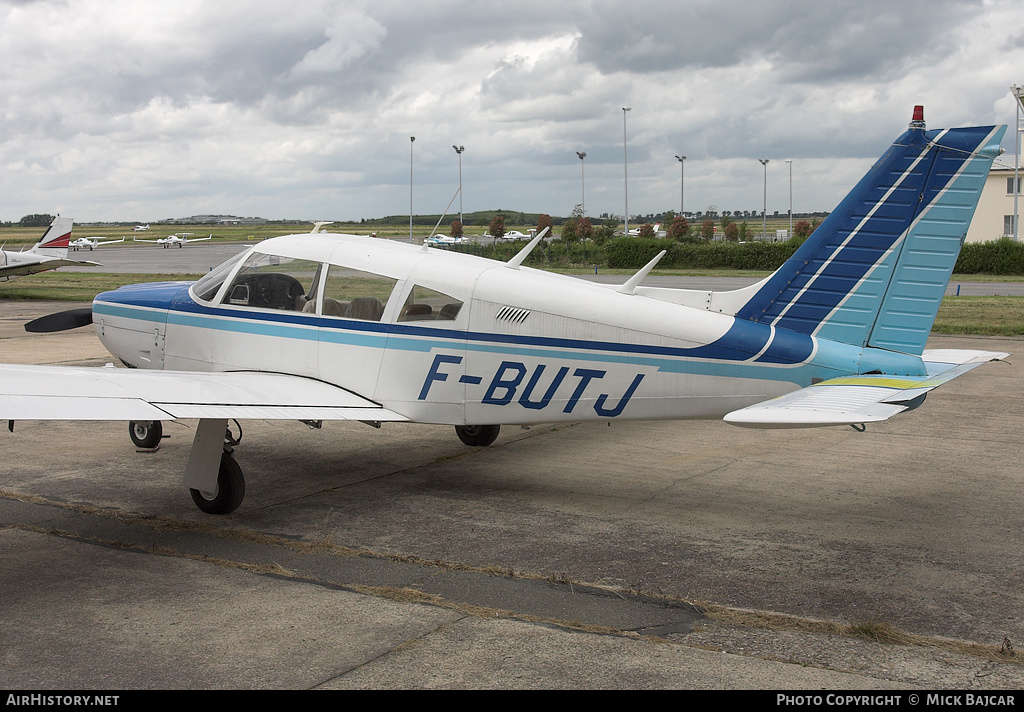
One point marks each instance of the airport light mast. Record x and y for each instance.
(764, 211)
(583, 185)
(790, 162)
(625, 170)
(412, 140)
(1017, 92)
(682, 183)
(459, 150)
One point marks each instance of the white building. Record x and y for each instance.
(994, 217)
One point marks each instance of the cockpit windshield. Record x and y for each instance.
(206, 288)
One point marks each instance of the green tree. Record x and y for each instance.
(36, 220)
(570, 230)
(603, 233)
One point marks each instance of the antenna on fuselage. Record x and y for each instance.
(629, 286)
(524, 253)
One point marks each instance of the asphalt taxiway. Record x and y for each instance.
(632, 555)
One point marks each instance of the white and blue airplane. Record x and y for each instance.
(315, 327)
(49, 253)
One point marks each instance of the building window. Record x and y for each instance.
(1009, 185)
(1007, 226)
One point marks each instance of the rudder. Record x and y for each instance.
(873, 273)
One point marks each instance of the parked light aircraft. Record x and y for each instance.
(339, 327)
(50, 252)
(514, 235)
(445, 240)
(90, 243)
(636, 231)
(180, 239)
(139, 228)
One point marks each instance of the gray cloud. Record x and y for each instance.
(305, 109)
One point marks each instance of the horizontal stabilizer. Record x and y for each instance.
(62, 393)
(853, 400)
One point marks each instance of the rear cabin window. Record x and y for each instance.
(425, 304)
(273, 282)
(354, 294)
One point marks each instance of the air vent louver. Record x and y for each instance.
(513, 315)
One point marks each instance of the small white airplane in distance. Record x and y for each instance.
(319, 224)
(636, 231)
(50, 252)
(140, 228)
(340, 327)
(181, 239)
(445, 240)
(90, 243)
(515, 235)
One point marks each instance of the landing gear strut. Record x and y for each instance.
(477, 435)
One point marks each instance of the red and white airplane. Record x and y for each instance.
(50, 252)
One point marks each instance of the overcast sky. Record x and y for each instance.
(139, 110)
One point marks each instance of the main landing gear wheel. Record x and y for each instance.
(477, 435)
(146, 434)
(230, 489)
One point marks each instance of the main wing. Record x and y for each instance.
(82, 393)
(853, 400)
(42, 264)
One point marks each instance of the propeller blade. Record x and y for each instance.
(61, 321)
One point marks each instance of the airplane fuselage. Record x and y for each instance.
(499, 345)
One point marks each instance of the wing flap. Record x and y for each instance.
(81, 393)
(853, 400)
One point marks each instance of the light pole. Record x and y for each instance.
(625, 169)
(790, 162)
(459, 150)
(412, 139)
(682, 182)
(583, 185)
(1017, 92)
(764, 211)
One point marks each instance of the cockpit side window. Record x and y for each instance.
(273, 282)
(425, 304)
(354, 294)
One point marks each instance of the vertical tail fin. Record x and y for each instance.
(56, 240)
(874, 272)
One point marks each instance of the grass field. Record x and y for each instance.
(986, 316)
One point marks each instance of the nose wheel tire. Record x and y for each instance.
(146, 434)
(230, 489)
(477, 435)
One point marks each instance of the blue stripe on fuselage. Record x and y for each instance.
(742, 342)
